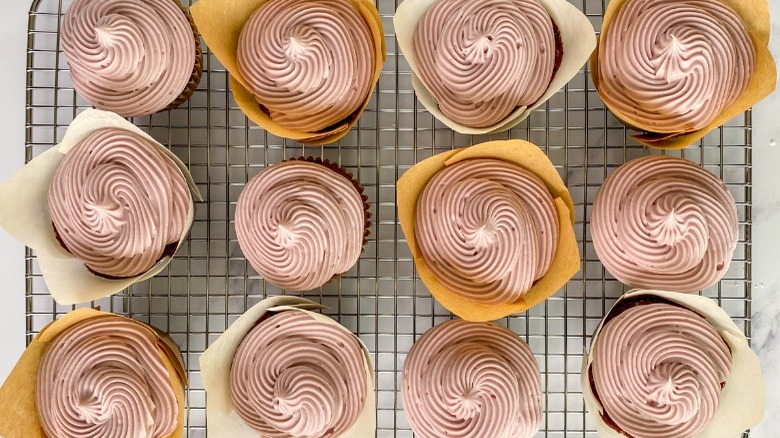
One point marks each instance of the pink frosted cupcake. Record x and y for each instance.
(302, 222)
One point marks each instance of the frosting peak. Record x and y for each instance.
(116, 202)
(665, 222)
(674, 65)
(487, 228)
(133, 57)
(309, 62)
(483, 59)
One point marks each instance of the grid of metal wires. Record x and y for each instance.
(209, 283)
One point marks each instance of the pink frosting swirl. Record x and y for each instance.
(295, 376)
(309, 62)
(300, 223)
(674, 65)
(658, 370)
(481, 59)
(105, 376)
(665, 222)
(488, 229)
(117, 203)
(471, 380)
(132, 57)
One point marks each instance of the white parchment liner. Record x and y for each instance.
(215, 363)
(742, 398)
(25, 214)
(577, 36)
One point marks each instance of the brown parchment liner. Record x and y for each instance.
(25, 214)
(576, 36)
(527, 155)
(18, 406)
(197, 70)
(755, 16)
(742, 402)
(217, 360)
(221, 21)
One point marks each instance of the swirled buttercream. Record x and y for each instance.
(487, 228)
(310, 63)
(665, 222)
(674, 65)
(471, 380)
(117, 203)
(483, 59)
(133, 57)
(658, 370)
(299, 223)
(294, 376)
(105, 376)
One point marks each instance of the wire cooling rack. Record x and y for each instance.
(209, 283)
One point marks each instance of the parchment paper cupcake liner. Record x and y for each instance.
(221, 21)
(742, 398)
(755, 16)
(216, 362)
(18, 405)
(577, 37)
(26, 214)
(527, 155)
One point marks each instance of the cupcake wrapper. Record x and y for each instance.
(220, 23)
(755, 15)
(197, 70)
(566, 262)
(216, 361)
(576, 35)
(26, 215)
(17, 395)
(742, 398)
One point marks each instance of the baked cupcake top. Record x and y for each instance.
(487, 228)
(132, 57)
(673, 66)
(665, 222)
(118, 204)
(293, 375)
(299, 223)
(481, 60)
(471, 380)
(105, 376)
(309, 63)
(658, 370)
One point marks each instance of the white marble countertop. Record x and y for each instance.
(766, 213)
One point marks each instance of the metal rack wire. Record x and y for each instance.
(209, 283)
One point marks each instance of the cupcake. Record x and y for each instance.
(282, 371)
(490, 228)
(483, 66)
(665, 222)
(93, 374)
(679, 69)
(302, 222)
(301, 69)
(105, 208)
(132, 57)
(665, 364)
(472, 380)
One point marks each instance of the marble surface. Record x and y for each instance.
(766, 214)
